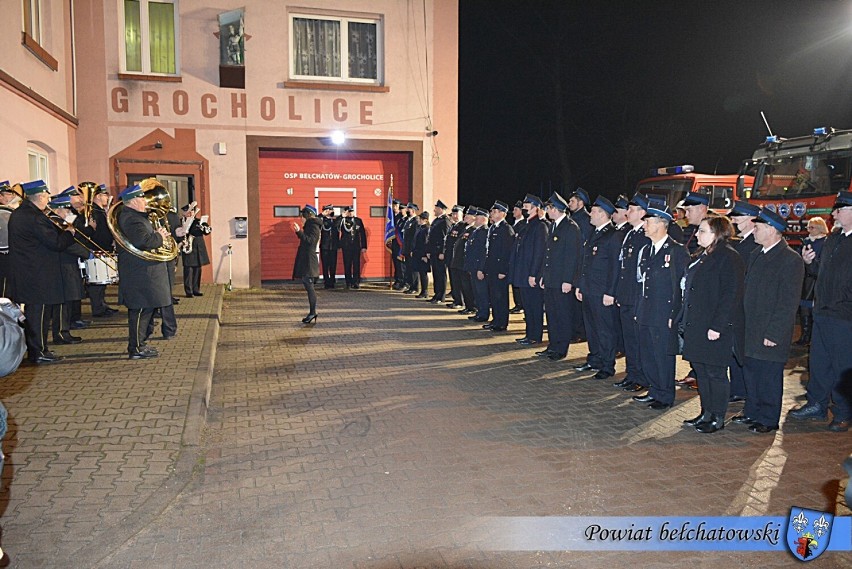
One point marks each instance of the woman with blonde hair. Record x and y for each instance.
(817, 232)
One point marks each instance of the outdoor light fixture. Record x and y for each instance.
(337, 137)
(158, 144)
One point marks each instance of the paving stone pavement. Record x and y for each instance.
(379, 437)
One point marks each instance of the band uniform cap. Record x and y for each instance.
(557, 202)
(413, 206)
(519, 204)
(533, 200)
(70, 191)
(458, 208)
(5, 187)
(500, 206)
(440, 204)
(622, 202)
(844, 199)
(348, 208)
(744, 209)
(640, 200)
(662, 211)
(309, 208)
(695, 198)
(61, 200)
(480, 211)
(328, 207)
(34, 187)
(605, 205)
(581, 194)
(131, 192)
(101, 189)
(189, 206)
(396, 202)
(424, 215)
(770, 217)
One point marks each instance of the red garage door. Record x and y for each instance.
(290, 179)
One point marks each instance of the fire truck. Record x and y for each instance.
(673, 183)
(799, 177)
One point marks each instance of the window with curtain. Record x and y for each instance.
(38, 165)
(32, 19)
(343, 49)
(150, 37)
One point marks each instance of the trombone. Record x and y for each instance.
(65, 226)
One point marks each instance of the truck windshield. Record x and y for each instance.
(671, 191)
(807, 175)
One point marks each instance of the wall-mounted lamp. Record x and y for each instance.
(432, 133)
(158, 144)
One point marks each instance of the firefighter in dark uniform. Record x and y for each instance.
(474, 263)
(743, 216)
(627, 292)
(578, 201)
(72, 280)
(143, 284)
(662, 264)
(34, 247)
(518, 226)
(527, 264)
(329, 243)
(831, 358)
(438, 231)
(453, 236)
(418, 252)
(499, 248)
(353, 241)
(9, 199)
(596, 290)
(558, 274)
(101, 237)
(619, 220)
(465, 286)
(398, 271)
(409, 231)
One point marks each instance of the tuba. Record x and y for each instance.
(158, 202)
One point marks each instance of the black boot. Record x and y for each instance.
(807, 321)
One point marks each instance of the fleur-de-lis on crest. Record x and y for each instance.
(821, 526)
(800, 522)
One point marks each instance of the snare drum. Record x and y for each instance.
(102, 270)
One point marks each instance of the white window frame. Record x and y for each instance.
(33, 28)
(42, 165)
(146, 38)
(344, 49)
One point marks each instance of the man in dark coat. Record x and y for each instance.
(353, 241)
(527, 264)
(409, 230)
(474, 263)
(627, 292)
(193, 250)
(438, 231)
(69, 269)
(463, 282)
(596, 290)
(329, 243)
(742, 215)
(558, 274)
(9, 199)
(395, 249)
(418, 252)
(771, 298)
(102, 237)
(831, 358)
(143, 284)
(500, 240)
(662, 263)
(34, 247)
(519, 225)
(457, 226)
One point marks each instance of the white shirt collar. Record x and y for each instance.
(765, 250)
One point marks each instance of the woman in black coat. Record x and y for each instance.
(418, 253)
(306, 266)
(712, 319)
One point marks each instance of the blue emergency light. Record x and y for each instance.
(773, 139)
(685, 169)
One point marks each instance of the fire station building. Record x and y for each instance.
(252, 109)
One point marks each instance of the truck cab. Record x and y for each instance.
(674, 182)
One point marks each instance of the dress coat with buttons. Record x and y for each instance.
(307, 264)
(715, 302)
(628, 287)
(562, 255)
(409, 230)
(659, 298)
(460, 246)
(141, 283)
(198, 257)
(529, 250)
(436, 236)
(599, 269)
(418, 251)
(501, 237)
(450, 242)
(584, 222)
(34, 247)
(474, 251)
(745, 246)
(771, 299)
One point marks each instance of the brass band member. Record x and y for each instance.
(34, 246)
(193, 250)
(143, 285)
(72, 281)
(103, 239)
(8, 199)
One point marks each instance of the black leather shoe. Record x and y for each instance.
(175, 300)
(554, 357)
(67, 339)
(519, 340)
(516, 310)
(189, 295)
(498, 328)
(312, 317)
(46, 358)
(812, 411)
(528, 342)
(735, 398)
(487, 326)
(759, 428)
(544, 353)
(743, 420)
(633, 387)
(701, 418)
(142, 353)
(434, 300)
(839, 426)
(475, 319)
(623, 383)
(659, 405)
(409, 291)
(79, 324)
(585, 367)
(643, 399)
(420, 296)
(716, 423)
(198, 294)
(602, 375)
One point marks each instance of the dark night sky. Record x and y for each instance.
(642, 84)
